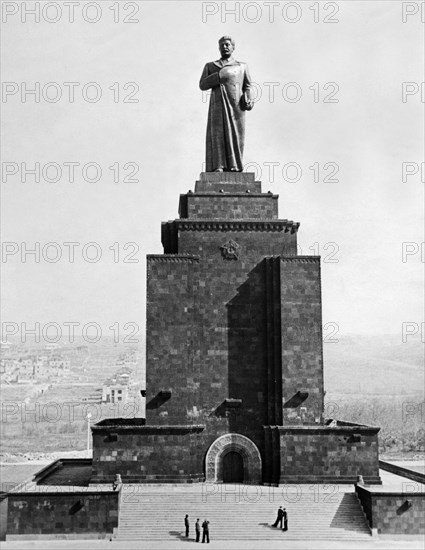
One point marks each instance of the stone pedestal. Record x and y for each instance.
(233, 345)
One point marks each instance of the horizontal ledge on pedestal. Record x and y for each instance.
(329, 479)
(151, 430)
(300, 259)
(386, 492)
(176, 258)
(225, 193)
(252, 224)
(294, 258)
(321, 428)
(60, 490)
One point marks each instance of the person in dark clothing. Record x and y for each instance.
(279, 518)
(206, 531)
(285, 520)
(186, 524)
(117, 484)
(197, 530)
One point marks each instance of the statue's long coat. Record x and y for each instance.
(229, 81)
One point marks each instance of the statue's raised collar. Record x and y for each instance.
(230, 61)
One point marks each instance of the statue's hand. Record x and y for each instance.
(246, 103)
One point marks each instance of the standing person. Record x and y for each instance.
(206, 531)
(186, 524)
(117, 484)
(285, 520)
(279, 518)
(197, 530)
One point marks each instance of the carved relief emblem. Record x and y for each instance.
(230, 250)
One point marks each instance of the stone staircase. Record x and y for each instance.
(241, 512)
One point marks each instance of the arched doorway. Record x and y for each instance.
(233, 467)
(243, 462)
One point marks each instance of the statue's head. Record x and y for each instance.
(226, 45)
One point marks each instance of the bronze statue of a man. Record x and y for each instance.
(230, 85)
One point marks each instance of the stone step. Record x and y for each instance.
(192, 512)
(216, 521)
(219, 534)
(202, 511)
(231, 536)
(234, 535)
(133, 498)
(131, 505)
(244, 507)
(211, 514)
(213, 517)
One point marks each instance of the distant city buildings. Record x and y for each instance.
(33, 367)
(77, 365)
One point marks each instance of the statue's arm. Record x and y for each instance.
(246, 89)
(247, 83)
(208, 80)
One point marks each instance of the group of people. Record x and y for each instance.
(205, 529)
(281, 521)
(282, 518)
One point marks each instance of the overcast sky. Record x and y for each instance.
(361, 220)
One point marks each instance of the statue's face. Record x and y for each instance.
(226, 48)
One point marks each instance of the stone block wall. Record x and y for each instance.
(150, 454)
(302, 347)
(228, 206)
(321, 454)
(172, 341)
(36, 514)
(393, 513)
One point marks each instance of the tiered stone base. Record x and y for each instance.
(321, 454)
(144, 454)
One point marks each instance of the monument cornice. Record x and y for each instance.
(301, 259)
(235, 225)
(172, 258)
(294, 258)
(224, 193)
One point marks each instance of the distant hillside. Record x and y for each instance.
(374, 365)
